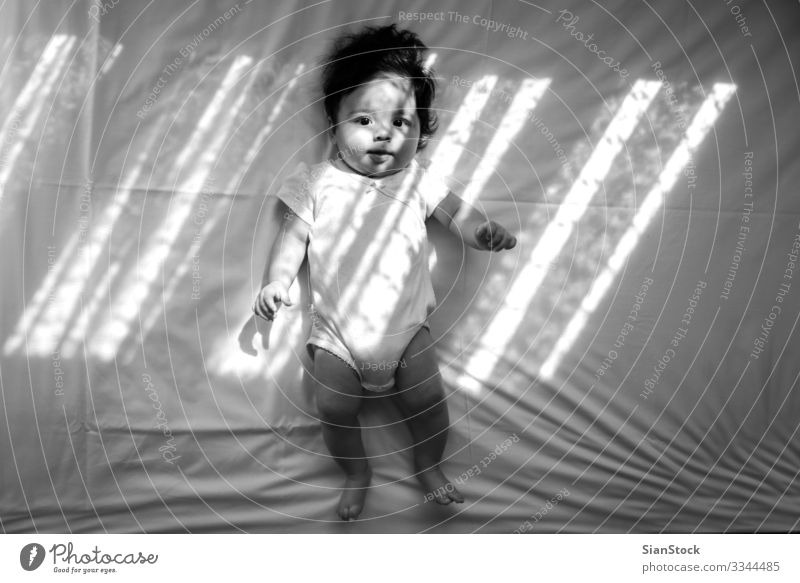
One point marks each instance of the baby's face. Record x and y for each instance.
(377, 129)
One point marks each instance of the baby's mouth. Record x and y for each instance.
(378, 156)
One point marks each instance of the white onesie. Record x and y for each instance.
(368, 261)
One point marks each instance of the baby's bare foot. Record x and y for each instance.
(355, 491)
(437, 487)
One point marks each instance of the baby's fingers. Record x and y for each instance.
(485, 233)
(260, 310)
(508, 241)
(265, 307)
(494, 237)
(502, 239)
(498, 239)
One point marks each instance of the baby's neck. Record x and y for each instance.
(339, 163)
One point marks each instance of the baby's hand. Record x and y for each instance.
(492, 236)
(269, 299)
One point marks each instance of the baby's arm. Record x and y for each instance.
(283, 264)
(472, 226)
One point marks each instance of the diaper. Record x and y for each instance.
(376, 369)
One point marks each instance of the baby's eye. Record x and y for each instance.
(401, 121)
(363, 120)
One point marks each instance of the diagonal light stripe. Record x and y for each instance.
(101, 291)
(155, 308)
(56, 298)
(71, 272)
(20, 122)
(111, 59)
(227, 358)
(199, 155)
(527, 282)
(53, 56)
(44, 75)
(525, 101)
(220, 210)
(701, 124)
(455, 139)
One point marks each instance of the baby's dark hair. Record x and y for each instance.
(359, 57)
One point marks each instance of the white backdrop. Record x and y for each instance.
(629, 366)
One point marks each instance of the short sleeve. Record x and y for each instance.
(432, 186)
(296, 193)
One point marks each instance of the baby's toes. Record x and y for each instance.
(456, 496)
(344, 512)
(441, 496)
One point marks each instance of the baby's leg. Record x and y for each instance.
(338, 392)
(420, 397)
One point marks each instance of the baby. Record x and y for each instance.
(361, 218)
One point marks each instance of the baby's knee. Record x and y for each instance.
(427, 397)
(337, 409)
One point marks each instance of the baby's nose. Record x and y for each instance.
(382, 133)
